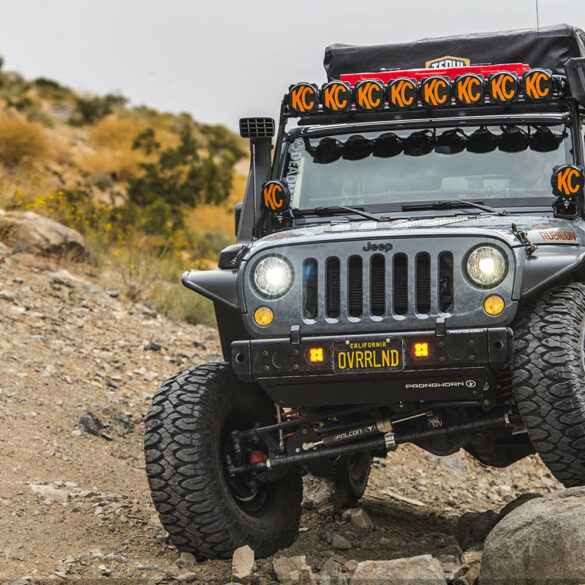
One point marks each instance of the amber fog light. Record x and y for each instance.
(263, 316)
(493, 305)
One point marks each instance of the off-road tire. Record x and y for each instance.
(185, 430)
(350, 475)
(549, 378)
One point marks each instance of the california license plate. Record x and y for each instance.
(369, 355)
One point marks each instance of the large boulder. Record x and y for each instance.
(540, 542)
(419, 570)
(30, 232)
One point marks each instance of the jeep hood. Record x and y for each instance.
(540, 230)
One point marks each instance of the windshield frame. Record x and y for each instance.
(543, 204)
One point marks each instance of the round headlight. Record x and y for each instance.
(273, 276)
(486, 266)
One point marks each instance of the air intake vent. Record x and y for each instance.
(256, 127)
(310, 291)
(332, 288)
(378, 285)
(400, 284)
(423, 283)
(446, 297)
(355, 291)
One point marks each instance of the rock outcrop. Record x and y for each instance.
(541, 541)
(27, 231)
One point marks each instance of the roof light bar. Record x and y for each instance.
(427, 88)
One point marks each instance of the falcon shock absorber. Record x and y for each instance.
(381, 426)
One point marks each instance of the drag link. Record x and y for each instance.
(387, 441)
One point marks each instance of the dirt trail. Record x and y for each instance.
(76, 505)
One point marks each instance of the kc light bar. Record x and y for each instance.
(426, 88)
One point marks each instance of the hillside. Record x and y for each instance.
(152, 192)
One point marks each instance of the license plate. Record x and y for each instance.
(369, 355)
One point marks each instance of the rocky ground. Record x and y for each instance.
(78, 367)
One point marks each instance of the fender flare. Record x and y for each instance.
(218, 285)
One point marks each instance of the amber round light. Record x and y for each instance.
(263, 316)
(493, 305)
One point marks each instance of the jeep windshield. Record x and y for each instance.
(500, 166)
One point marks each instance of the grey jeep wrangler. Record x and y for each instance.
(409, 268)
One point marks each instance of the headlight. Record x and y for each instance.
(486, 266)
(273, 276)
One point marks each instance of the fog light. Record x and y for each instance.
(315, 355)
(263, 316)
(494, 305)
(421, 350)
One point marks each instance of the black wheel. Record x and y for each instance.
(549, 378)
(205, 511)
(350, 475)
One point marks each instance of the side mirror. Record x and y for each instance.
(237, 216)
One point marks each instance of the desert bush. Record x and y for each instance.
(22, 141)
(181, 176)
(50, 89)
(92, 109)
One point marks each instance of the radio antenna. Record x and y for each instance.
(537, 23)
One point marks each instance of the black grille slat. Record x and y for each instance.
(446, 290)
(355, 287)
(400, 284)
(378, 285)
(332, 288)
(310, 291)
(423, 283)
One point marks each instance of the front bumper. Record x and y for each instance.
(458, 366)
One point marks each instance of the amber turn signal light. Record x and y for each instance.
(421, 350)
(493, 305)
(316, 355)
(263, 316)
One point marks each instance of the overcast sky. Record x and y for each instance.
(226, 59)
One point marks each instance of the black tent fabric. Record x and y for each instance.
(548, 48)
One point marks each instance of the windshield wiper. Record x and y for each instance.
(452, 204)
(336, 210)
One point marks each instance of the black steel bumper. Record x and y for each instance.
(458, 366)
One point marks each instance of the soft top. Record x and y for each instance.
(548, 48)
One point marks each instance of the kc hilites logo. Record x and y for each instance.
(447, 62)
(275, 196)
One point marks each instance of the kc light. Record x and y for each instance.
(273, 277)
(486, 266)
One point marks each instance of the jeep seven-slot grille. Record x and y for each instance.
(382, 284)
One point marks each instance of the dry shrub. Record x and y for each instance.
(208, 217)
(114, 132)
(121, 163)
(111, 141)
(22, 141)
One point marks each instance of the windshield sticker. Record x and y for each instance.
(447, 62)
(295, 165)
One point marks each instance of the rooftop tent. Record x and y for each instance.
(549, 48)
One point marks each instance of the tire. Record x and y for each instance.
(350, 475)
(549, 378)
(205, 512)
